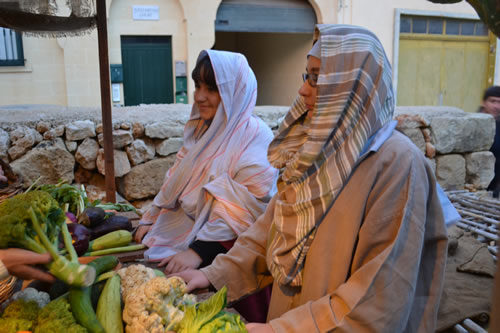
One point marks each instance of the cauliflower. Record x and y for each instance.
(133, 276)
(30, 294)
(157, 305)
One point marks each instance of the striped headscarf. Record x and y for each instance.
(317, 156)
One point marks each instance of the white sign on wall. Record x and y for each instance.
(151, 13)
(115, 92)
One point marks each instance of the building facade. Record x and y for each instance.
(441, 54)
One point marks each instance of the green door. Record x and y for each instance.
(147, 70)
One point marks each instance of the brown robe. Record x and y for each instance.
(377, 261)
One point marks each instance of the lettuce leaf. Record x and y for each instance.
(208, 317)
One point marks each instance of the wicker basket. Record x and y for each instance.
(6, 288)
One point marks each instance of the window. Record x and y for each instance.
(11, 48)
(442, 26)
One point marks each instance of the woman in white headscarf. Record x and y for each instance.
(356, 238)
(221, 181)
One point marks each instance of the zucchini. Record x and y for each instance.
(114, 250)
(116, 238)
(80, 298)
(109, 311)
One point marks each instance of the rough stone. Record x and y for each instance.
(138, 130)
(410, 121)
(427, 134)
(271, 115)
(480, 168)
(23, 138)
(169, 146)
(450, 171)
(416, 136)
(54, 133)
(4, 144)
(121, 163)
(430, 150)
(121, 138)
(461, 134)
(163, 130)
(99, 128)
(48, 161)
(145, 180)
(86, 154)
(125, 126)
(71, 146)
(140, 151)
(80, 130)
(42, 126)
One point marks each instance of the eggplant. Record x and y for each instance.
(92, 217)
(81, 237)
(115, 222)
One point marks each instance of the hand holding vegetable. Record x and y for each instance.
(18, 262)
(259, 328)
(141, 231)
(181, 261)
(195, 279)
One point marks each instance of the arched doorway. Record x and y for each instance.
(275, 36)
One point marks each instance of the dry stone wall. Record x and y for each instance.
(67, 143)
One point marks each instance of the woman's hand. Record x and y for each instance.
(141, 231)
(18, 262)
(195, 279)
(181, 261)
(259, 328)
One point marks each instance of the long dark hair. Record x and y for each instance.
(204, 73)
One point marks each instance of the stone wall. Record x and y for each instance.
(66, 143)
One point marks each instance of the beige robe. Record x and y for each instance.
(377, 261)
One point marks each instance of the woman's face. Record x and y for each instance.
(308, 91)
(207, 100)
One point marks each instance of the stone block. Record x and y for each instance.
(169, 146)
(164, 130)
(480, 168)
(80, 130)
(121, 163)
(145, 180)
(86, 154)
(416, 136)
(450, 171)
(140, 151)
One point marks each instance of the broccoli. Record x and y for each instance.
(19, 315)
(34, 221)
(56, 317)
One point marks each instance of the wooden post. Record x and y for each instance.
(107, 123)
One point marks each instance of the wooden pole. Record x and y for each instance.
(107, 123)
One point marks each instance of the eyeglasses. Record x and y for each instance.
(312, 78)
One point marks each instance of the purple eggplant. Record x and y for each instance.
(81, 237)
(113, 223)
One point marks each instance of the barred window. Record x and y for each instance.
(442, 26)
(11, 48)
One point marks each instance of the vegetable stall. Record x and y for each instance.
(98, 288)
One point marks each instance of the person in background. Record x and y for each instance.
(221, 181)
(491, 105)
(355, 239)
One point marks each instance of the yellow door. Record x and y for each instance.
(443, 70)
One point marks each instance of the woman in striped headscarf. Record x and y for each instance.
(221, 180)
(356, 238)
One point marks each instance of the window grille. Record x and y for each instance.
(11, 48)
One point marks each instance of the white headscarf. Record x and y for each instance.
(221, 182)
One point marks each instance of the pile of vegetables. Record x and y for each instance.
(159, 304)
(56, 316)
(34, 221)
